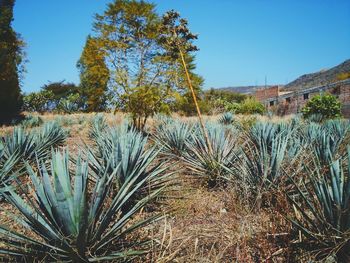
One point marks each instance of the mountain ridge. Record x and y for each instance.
(319, 78)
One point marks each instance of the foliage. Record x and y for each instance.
(125, 150)
(262, 159)
(343, 76)
(38, 101)
(127, 43)
(322, 209)
(7, 167)
(223, 100)
(30, 145)
(11, 65)
(325, 140)
(325, 105)
(94, 76)
(250, 106)
(56, 96)
(71, 223)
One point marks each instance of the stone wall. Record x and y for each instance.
(344, 98)
(266, 94)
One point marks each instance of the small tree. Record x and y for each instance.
(325, 105)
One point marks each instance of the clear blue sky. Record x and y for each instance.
(240, 41)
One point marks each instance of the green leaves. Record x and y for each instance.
(325, 105)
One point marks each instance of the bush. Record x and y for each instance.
(251, 106)
(326, 105)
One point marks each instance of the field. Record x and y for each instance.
(267, 190)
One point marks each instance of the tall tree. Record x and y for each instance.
(143, 77)
(11, 58)
(94, 76)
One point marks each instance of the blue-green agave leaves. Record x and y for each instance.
(173, 138)
(322, 205)
(75, 219)
(206, 164)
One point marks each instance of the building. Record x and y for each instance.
(289, 102)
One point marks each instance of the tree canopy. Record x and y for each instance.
(127, 56)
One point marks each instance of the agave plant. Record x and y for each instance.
(172, 138)
(262, 160)
(210, 164)
(226, 119)
(50, 135)
(31, 121)
(98, 125)
(75, 223)
(325, 140)
(7, 165)
(322, 206)
(34, 144)
(20, 142)
(126, 151)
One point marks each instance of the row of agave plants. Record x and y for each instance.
(308, 163)
(86, 208)
(83, 208)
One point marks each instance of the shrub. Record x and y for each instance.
(325, 105)
(251, 106)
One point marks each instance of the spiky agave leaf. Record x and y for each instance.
(127, 151)
(7, 168)
(262, 160)
(73, 223)
(325, 140)
(226, 119)
(21, 142)
(210, 165)
(50, 135)
(173, 137)
(323, 205)
(98, 125)
(38, 143)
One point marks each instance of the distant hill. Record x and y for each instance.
(244, 89)
(320, 78)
